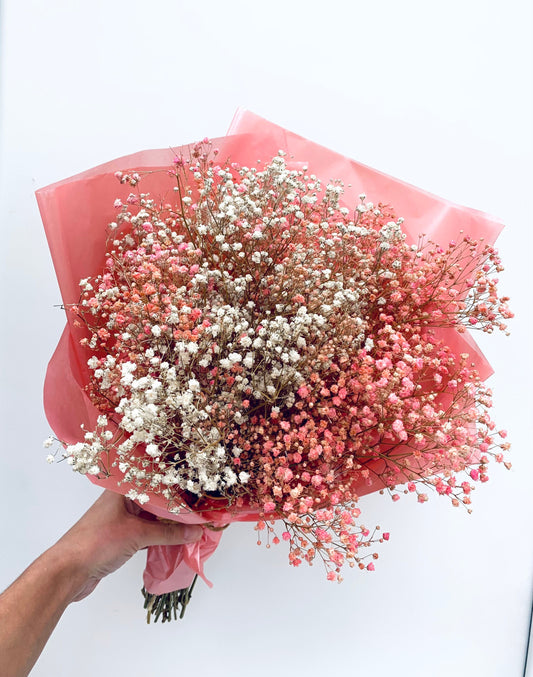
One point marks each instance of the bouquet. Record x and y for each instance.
(251, 338)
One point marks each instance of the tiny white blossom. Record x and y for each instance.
(369, 344)
(194, 385)
(229, 476)
(153, 450)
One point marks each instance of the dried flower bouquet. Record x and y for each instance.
(250, 342)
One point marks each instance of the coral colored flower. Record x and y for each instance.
(303, 391)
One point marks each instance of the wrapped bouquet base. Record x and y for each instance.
(259, 329)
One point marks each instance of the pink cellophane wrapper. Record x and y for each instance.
(75, 213)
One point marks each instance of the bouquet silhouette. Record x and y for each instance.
(259, 329)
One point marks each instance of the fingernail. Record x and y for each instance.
(192, 533)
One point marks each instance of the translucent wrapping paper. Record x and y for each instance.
(75, 213)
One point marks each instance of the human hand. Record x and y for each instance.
(109, 533)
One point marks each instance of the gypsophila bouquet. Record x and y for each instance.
(257, 346)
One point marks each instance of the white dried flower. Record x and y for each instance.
(152, 450)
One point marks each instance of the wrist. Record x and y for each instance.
(64, 566)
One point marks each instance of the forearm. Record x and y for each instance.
(31, 607)
(98, 544)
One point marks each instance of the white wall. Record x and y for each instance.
(438, 95)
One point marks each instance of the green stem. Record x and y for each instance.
(168, 604)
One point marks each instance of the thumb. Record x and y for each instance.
(168, 533)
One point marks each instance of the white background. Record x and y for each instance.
(439, 95)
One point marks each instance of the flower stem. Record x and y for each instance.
(167, 605)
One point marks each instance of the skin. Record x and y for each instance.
(105, 537)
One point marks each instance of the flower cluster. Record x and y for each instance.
(253, 343)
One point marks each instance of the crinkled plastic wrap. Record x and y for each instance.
(75, 213)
